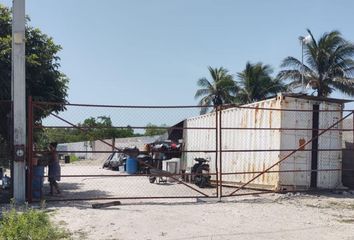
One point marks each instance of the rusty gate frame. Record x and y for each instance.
(292, 151)
(30, 153)
(218, 151)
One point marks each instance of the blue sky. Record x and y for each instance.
(152, 52)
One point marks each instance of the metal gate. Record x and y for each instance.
(83, 176)
(216, 138)
(6, 158)
(278, 164)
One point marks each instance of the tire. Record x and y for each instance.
(152, 179)
(197, 181)
(203, 182)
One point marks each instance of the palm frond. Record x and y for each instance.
(203, 82)
(201, 92)
(256, 83)
(221, 87)
(313, 40)
(293, 74)
(329, 64)
(345, 85)
(206, 101)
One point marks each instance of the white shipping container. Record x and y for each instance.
(278, 140)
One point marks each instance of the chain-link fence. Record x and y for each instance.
(5, 150)
(295, 146)
(109, 152)
(137, 152)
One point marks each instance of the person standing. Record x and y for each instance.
(53, 168)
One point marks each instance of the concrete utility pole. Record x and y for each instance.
(18, 84)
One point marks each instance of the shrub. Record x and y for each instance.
(30, 224)
(73, 158)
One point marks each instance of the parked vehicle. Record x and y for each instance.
(115, 160)
(200, 173)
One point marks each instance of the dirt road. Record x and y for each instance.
(273, 216)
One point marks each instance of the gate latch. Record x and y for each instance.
(19, 153)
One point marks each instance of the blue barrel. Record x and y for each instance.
(131, 165)
(37, 181)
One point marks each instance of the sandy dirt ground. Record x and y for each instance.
(266, 216)
(89, 181)
(271, 216)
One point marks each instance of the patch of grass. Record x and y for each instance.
(73, 158)
(29, 224)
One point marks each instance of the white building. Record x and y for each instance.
(265, 134)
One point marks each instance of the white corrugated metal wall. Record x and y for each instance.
(330, 140)
(269, 139)
(250, 140)
(293, 139)
(199, 140)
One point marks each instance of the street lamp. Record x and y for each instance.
(303, 40)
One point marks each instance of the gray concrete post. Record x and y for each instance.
(19, 99)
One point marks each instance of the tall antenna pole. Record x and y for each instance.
(302, 39)
(18, 84)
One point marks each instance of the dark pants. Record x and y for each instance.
(53, 184)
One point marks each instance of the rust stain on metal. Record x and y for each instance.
(249, 170)
(302, 142)
(244, 121)
(255, 115)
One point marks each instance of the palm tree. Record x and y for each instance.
(219, 91)
(329, 66)
(256, 83)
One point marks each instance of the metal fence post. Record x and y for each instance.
(30, 150)
(220, 151)
(216, 154)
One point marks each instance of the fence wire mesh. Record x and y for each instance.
(96, 142)
(247, 150)
(284, 150)
(5, 151)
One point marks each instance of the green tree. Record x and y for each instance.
(91, 129)
(329, 65)
(255, 83)
(153, 130)
(44, 80)
(219, 91)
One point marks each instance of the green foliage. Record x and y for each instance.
(5, 155)
(73, 158)
(219, 91)
(255, 83)
(44, 80)
(153, 130)
(92, 129)
(30, 224)
(329, 65)
(101, 128)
